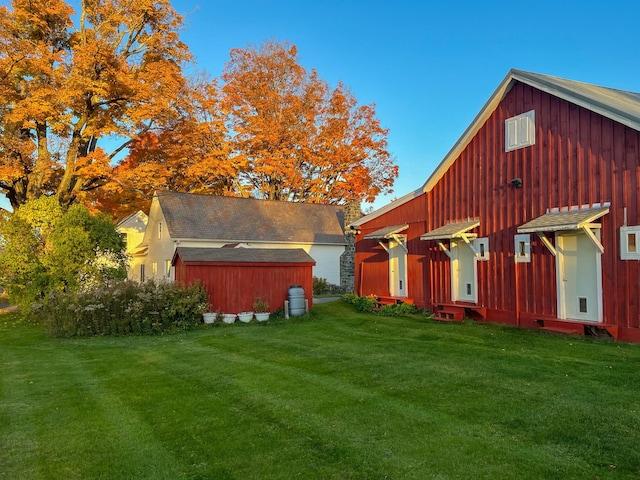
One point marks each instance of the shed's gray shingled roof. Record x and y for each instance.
(214, 217)
(243, 255)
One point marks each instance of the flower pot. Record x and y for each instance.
(245, 317)
(209, 317)
(262, 316)
(228, 317)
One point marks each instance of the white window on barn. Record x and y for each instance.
(630, 243)
(520, 131)
(154, 269)
(523, 248)
(482, 248)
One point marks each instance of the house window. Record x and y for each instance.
(154, 269)
(159, 230)
(482, 247)
(124, 239)
(520, 131)
(142, 273)
(582, 305)
(522, 248)
(167, 268)
(630, 243)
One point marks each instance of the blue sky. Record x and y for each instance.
(429, 66)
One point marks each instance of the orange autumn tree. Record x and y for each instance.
(299, 140)
(65, 88)
(190, 154)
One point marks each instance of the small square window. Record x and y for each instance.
(630, 243)
(522, 248)
(482, 248)
(582, 304)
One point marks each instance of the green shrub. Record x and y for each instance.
(365, 304)
(350, 298)
(362, 304)
(46, 248)
(124, 308)
(398, 309)
(368, 304)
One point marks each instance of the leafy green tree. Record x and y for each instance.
(46, 248)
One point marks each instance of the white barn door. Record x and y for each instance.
(579, 277)
(464, 273)
(397, 269)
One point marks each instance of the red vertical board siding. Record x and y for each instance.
(372, 261)
(233, 288)
(579, 158)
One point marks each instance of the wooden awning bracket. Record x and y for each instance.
(547, 243)
(465, 237)
(401, 240)
(383, 246)
(444, 248)
(593, 238)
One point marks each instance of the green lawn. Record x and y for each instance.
(336, 394)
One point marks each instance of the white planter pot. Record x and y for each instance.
(209, 317)
(228, 317)
(262, 316)
(245, 317)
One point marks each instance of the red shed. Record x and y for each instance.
(532, 219)
(234, 277)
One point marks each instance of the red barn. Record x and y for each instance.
(234, 277)
(531, 219)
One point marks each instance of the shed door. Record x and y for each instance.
(397, 269)
(464, 284)
(579, 275)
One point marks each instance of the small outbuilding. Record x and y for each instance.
(235, 277)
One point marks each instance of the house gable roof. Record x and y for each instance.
(211, 217)
(136, 219)
(618, 105)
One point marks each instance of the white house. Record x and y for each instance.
(191, 220)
